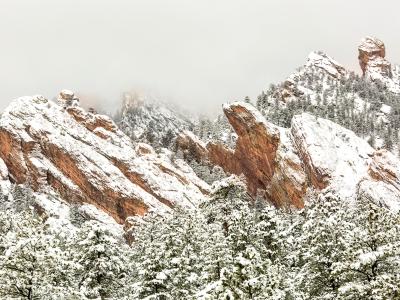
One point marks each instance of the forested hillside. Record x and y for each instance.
(369, 109)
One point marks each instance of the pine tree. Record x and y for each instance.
(236, 267)
(101, 262)
(373, 260)
(35, 263)
(167, 139)
(149, 259)
(321, 247)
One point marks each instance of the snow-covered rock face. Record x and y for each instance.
(313, 153)
(328, 64)
(332, 155)
(327, 72)
(374, 66)
(385, 186)
(86, 158)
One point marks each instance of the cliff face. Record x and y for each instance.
(86, 158)
(313, 153)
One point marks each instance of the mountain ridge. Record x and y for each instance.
(86, 158)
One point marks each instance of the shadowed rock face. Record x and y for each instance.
(313, 153)
(86, 158)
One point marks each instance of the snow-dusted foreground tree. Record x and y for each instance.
(231, 247)
(39, 261)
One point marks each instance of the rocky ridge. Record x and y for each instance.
(87, 159)
(366, 104)
(314, 153)
(373, 64)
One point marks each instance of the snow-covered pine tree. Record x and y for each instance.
(33, 262)
(236, 267)
(168, 255)
(324, 239)
(149, 259)
(373, 257)
(101, 262)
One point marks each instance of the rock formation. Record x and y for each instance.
(371, 56)
(374, 66)
(372, 61)
(67, 98)
(313, 153)
(87, 159)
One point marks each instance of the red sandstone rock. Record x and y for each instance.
(86, 158)
(314, 153)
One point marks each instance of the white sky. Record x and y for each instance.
(199, 53)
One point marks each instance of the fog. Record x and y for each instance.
(197, 53)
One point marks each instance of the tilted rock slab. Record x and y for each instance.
(86, 158)
(314, 153)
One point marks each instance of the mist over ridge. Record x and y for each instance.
(198, 54)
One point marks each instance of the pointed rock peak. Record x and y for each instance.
(320, 60)
(243, 116)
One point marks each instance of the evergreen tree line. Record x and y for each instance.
(339, 101)
(231, 247)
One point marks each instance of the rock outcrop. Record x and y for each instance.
(371, 55)
(67, 98)
(313, 153)
(374, 66)
(87, 159)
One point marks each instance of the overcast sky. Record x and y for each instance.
(200, 53)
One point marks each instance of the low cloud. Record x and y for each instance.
(196, 53)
